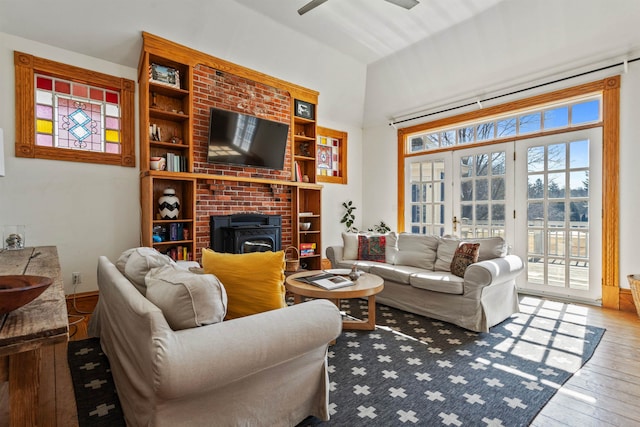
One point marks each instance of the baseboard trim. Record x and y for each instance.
(83, 296)
(626, 301)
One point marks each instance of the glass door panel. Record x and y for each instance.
(482, 193)
(428, 186)
(560, 234)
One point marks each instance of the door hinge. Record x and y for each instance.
(514, 156)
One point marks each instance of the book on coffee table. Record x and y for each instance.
(327, 281)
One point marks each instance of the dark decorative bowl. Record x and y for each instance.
(16, 291)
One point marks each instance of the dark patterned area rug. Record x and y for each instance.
(415, 370)
(96, 397)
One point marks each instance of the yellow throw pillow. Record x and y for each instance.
(254, 281)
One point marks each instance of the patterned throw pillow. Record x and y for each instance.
(372, 248)
(465, 255)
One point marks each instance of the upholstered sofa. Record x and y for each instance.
(268, 368)
(417, 276)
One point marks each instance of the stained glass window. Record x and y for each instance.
(328, 156)
(76, 116)
(331, 153)
(72, 114)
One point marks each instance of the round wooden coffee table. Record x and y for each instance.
(367, 285)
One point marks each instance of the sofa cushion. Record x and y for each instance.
(372, 248)
(135, 263)
(490, 247)
(417, 250)
(464, 256)
(350, 245)
(394, 273)
(254, 281)
(186, 299)
(446, 248)
(438, 281)
(391, 250)
(362, 265)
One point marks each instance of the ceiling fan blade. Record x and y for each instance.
(311, 5)
(407, 4)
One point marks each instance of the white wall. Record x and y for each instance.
(86, 210)
(511, 46)
(89, 210)
(629, 174)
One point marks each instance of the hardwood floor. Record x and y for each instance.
(605, 392)
(79, 310)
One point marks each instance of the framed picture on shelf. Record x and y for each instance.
(164, 75)
(303, 109)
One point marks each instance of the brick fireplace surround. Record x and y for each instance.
(213, 88)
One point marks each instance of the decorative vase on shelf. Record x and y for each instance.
(169, 204)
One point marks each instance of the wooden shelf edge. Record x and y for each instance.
(168, 144)
(298, 119)
(304, 158)
(172, 242)
(184, 176)
(156, 113)
(304, 138)
(167, 90)
(208, 177)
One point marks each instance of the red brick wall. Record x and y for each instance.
(215, 197)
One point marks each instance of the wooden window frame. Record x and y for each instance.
(609, 88)
(342, 137)
(26, 66)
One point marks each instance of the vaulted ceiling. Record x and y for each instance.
(365, 30)
(369, 30)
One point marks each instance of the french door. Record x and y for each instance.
(560, 229)
(466, 192)
(482, 195)
(545, 202)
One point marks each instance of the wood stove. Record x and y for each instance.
(245, 232)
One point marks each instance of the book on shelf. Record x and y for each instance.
(173, 231)
(179, 253)
(176, 231)
(298, 172)
(307, 252)
(304, 246)
(327, 281)
(176, 163)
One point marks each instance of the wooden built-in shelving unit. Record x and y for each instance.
(171, 109)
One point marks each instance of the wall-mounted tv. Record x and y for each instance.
(244, 140)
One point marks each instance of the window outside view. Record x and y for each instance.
(557, 194)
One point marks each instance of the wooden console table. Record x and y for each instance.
(33, 347)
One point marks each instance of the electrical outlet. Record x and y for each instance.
(75, 278)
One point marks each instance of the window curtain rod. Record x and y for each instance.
(515, 92)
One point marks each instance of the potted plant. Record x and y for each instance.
(349, 217)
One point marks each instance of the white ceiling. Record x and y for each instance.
(365, 30)
(369, 30)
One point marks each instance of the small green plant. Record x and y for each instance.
(348, 218)
(381, 228)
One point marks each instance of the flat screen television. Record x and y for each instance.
(244, 140)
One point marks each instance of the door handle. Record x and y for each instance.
(455, 224)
